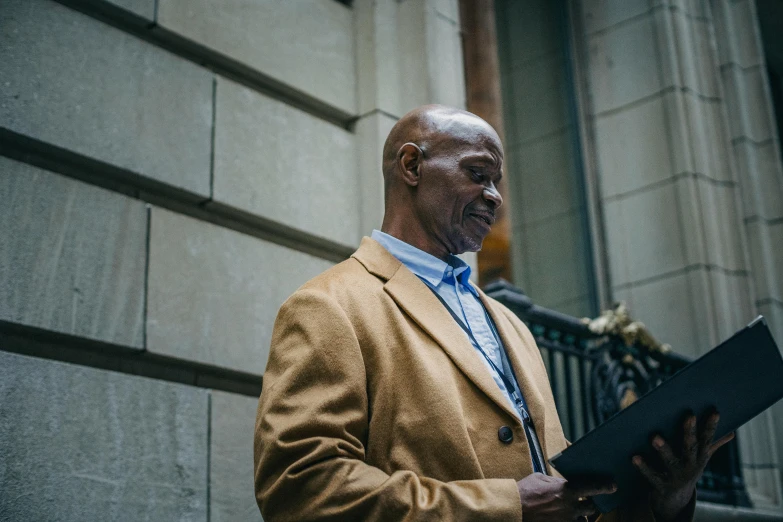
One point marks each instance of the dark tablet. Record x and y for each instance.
(741, 377)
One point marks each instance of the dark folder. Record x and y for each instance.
(741, 377)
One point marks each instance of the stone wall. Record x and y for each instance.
(171, 171)
(689, 179)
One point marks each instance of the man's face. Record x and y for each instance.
(457, 195)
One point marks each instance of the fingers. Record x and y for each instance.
(666, 453)
(591, 490)
(585, 508)
(720, 442)
(690, 446)
(708, 430)
(653, 477)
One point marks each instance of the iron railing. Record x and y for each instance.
(595, 375)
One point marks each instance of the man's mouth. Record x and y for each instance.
(487, 218)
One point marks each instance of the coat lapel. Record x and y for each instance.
(523, 364)
(419, 303)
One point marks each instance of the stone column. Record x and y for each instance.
(756, 153)
(482, 82)
(669, 186)
(409, 53)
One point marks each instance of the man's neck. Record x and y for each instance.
(417, 238)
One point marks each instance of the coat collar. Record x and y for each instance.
(421, 305)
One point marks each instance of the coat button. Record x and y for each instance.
(505, 435)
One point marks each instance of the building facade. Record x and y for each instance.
(172, 170)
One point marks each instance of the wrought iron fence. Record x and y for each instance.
(594, 374)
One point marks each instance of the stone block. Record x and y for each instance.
(377, 57)
(214, 293)
(765, 241)
(519, 258)
(633, 147)
(371, 132)
(773, 312)
(85, 444)
(231, 482)
(737, 33)
(82, 85)
(749, 108)
(556, 260)
(531, 28)
(644, 234)
(730, 296)
(543, 167)
(761, 179)
(285, 165)
(73, 256)
(602, 14)
(689, 55)
(143, 8)
(665, 306)
(577, 307)
(624, 64)
(707, 138)
(711, 223)
(539, 107)
(447, 9)
(445, 63)
(308, 45)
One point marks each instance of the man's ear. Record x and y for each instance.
(409, 160)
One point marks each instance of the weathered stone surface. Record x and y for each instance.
(539, 92)
(601, 14)
(546, 166)
(283, 164)
(214, 293)
(231, 458)
(77, 83)
(371, 132)
(666, 307)
(634, 256)
(634, 151)
(306, 44)
(624, 65)
(84, 444)
(72, 256)
(557, 269)
(143, 8)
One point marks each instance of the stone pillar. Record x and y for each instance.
(669, 186)
(756, 153)
(409, 53)
(482, 82)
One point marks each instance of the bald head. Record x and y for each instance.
(430, 127)
(441, 166)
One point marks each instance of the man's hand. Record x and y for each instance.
(673, 487)
(546, 498)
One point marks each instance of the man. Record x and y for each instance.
(397, 390)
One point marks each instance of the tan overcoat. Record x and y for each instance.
(375, 406)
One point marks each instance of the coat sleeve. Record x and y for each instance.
(312, 427)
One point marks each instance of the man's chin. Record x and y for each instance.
(470, 244)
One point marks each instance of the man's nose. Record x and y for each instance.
(492, 195)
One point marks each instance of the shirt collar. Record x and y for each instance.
(422, 264)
